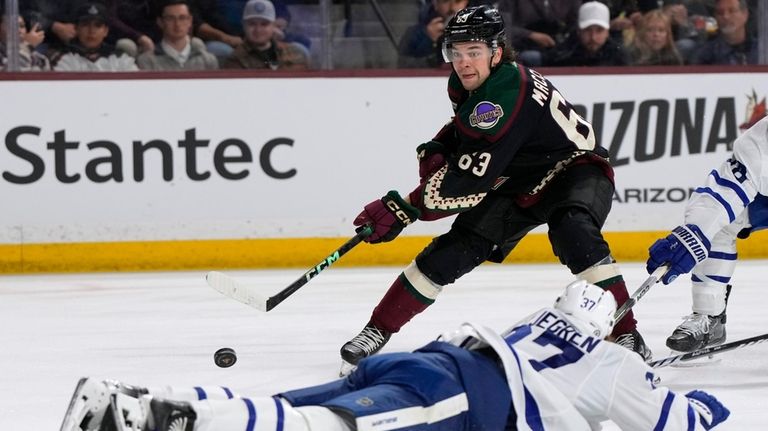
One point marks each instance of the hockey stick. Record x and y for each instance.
(248, 295)
(640, 292)
(707, 351)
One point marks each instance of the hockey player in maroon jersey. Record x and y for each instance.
(515, 156)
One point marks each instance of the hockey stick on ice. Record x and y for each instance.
(707, 351)
(640, 292)
(248, 295)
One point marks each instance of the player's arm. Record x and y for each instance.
(637, 404)
(725, 195)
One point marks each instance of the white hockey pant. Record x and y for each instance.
(711, 276)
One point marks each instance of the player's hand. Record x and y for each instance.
(681, 250)
(431, 158)
(711, 411)
(387, 216)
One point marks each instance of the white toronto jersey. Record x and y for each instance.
(599, 380)
(734, 185)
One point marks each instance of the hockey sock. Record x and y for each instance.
(410, 294)
(608, 277)
(263, 414)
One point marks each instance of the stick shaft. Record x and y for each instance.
(707, 351)
(640, 292)
(279, 297)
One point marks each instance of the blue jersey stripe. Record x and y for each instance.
(720, 278)
(280, 414)
(723, 256)
(251, 425)
(201, 395)
(691, 419)
(228, 393)
(733, 186)
(723, 202)
(664, 412)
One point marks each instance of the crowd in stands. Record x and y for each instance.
(128, 35)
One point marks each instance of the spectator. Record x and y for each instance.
(89, 51)
(592, 45)
(29, 59)
(261, 49)
(231, 12)
(53, 17)
(211, 27)
(421, 44)
(534, 26)
(733, 44)
(177, 50)
(653, 44)
(132, 19)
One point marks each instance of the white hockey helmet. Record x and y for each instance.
(591, 307)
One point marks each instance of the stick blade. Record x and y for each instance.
(231, 288)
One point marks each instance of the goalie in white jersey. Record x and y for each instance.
(551, 371)
(732, 204)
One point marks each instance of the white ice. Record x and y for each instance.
(162, 328)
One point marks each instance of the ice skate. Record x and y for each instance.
(90, 401)
(697, 332)
(634, 341)
(369, 341)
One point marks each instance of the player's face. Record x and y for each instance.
(472, 62)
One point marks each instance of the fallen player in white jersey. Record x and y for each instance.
(732, 203)
(551, 371)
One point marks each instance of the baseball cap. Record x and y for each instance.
(91, 12)
(594, 13)
(263, 9)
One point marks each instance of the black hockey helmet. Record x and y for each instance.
(475, 24)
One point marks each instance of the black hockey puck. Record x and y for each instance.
(225, 357)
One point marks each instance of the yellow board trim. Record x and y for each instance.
(287, 253)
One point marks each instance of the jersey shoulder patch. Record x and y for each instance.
(489, 111)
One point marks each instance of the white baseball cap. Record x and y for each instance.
(263, 9)
(594, 13)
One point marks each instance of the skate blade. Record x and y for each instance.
(346, 368)
(694, 363)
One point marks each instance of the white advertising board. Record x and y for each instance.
(123, 160)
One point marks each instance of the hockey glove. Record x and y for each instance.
(711, 411)
(681, 250)
(431, 158)
(388, 216)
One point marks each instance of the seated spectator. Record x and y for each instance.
(261, 49)
(653, 44)
(592, 45)
(535, 26)
(132, 20)
(421, 44)
(89, 51)
(177, 50)
(231, 12)
(29, 59)
(211, 27)
(733, 44)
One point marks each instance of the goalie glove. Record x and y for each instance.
(711, 411)
(387, 216)
(681, 250)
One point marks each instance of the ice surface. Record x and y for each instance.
(163, 328)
